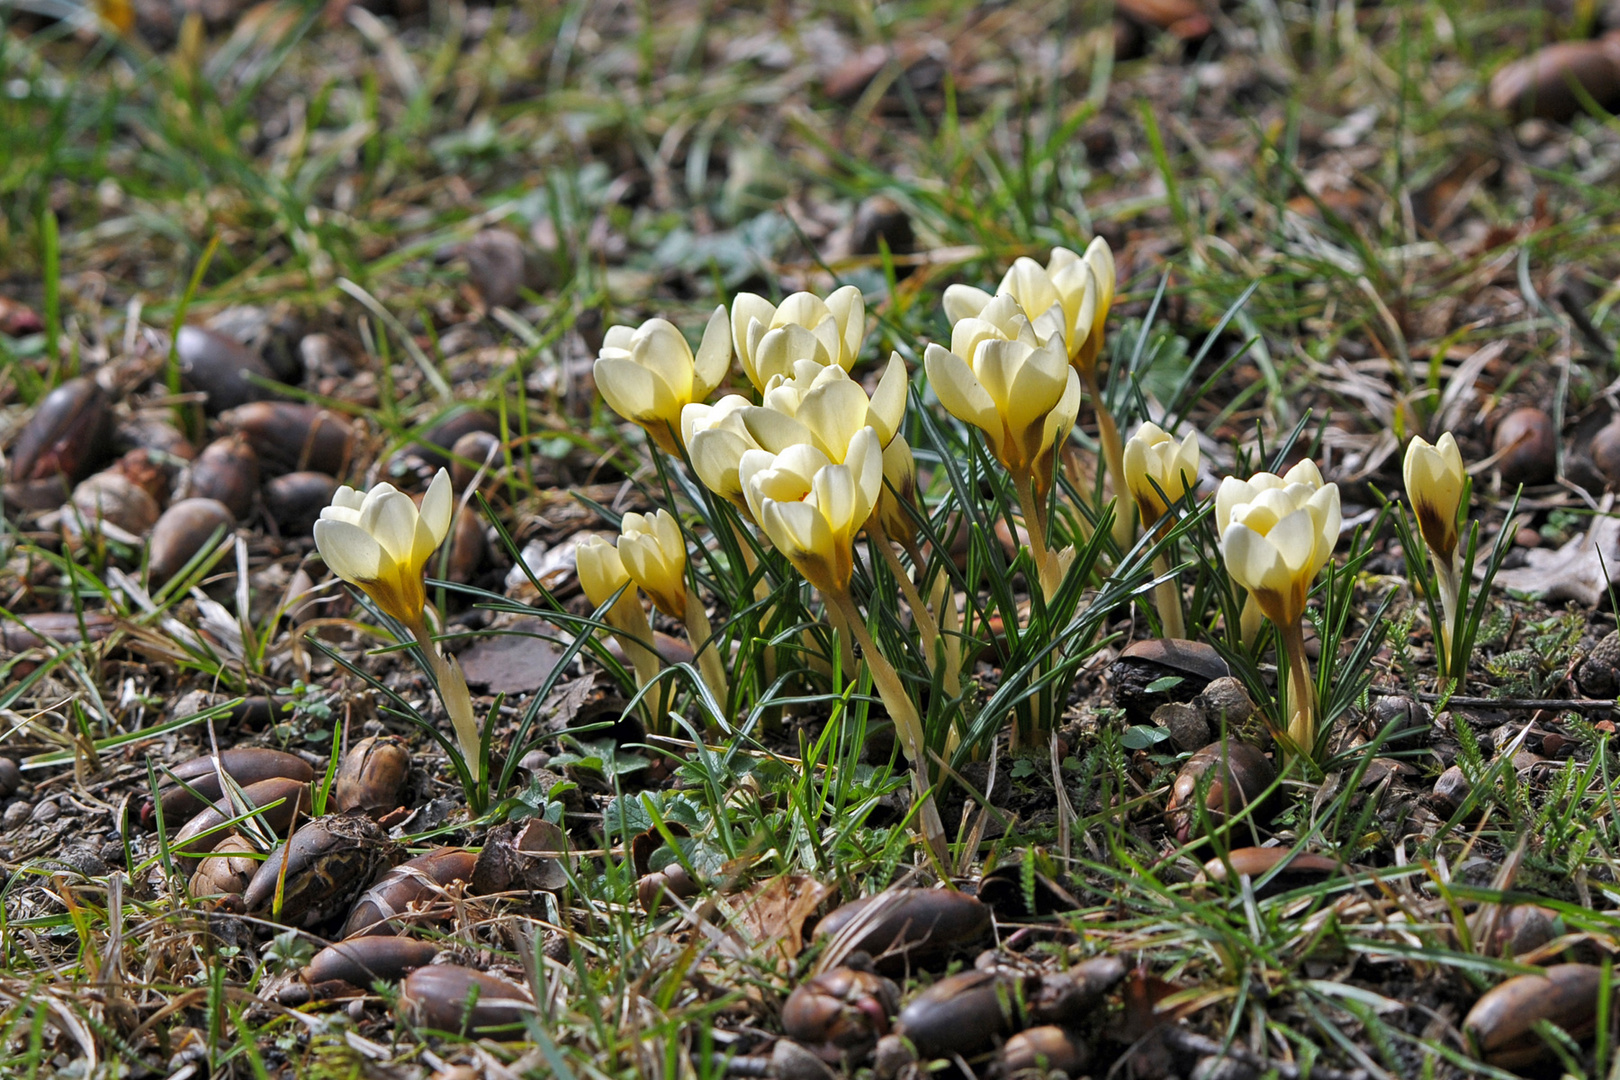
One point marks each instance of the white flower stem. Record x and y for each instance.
(1167, 596)
(1046, 563)
(708, 658)
(634, 632)
(1446, 578)
(926, 626)
(455, 695)
(1114, 458)
(906, 721)
(1301, 690)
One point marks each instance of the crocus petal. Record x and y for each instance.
(390, 517)
(964, 302)
(437, 505)
(349, 551)
(713, 358)
(888, 407)
(959, 391)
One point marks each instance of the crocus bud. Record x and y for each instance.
(381, 543)
(824, 407)
(769, 339)
(649, 374)
(1070, 295)
(899, 488)
(811, 507)
(1435, 480)
(716, 438)
(653, 552)
(601, 571)
(1152, 457)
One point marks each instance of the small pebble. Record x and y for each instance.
(1527, 538)
(1452, 786)
(1185, 723)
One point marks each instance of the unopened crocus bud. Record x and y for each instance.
(649, 374)
(653, 552)
(1276, 545)
(1435, 480)
(381, 543)
(1152, 458)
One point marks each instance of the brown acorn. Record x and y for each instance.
(1241, 774)
(110, 497)
(1298, 869)
(1501, 1025)
(446, 997)
(228, 870)
(373, 776)
(1539, 84)
(963, 1014)
(411, 882)
(291, 437)
(1143, 664)
(229, 373)
(1528, 445)
(226, 470)
(906, 923)
(477, 447)
(244, 764)
(329, 862)
(295, 500)
(202, 834)
(1043, 1050)
(181, 533)
(68, 435)
(673, 880)
(366, 960)
(841, 1013)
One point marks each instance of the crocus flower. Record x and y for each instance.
(1158, 468)
(769, 338)
(1435, 482)
(1274, 546)
(824, 407)
(602, 573)
(653, 553)
(649, 374)
(716, 438)
(380, 542)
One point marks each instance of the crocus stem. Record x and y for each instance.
(906, 721)
(456, 697)
(924, 622)
(699, 631)
(846, 645)
(1301, 690)
(631, 627)
(1114, 457)
(1446, 577)
(1167, 596)
(1046, 563)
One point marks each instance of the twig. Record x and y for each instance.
(1513, 704)
(1189, 1042)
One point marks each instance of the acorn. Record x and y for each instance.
(373, 776)
(673, 880)
(10, 777)
(906, 924)
(329, 862)
(295, 500)
(1192, 665)
(477, 447)
(1044, 1050)
(181, 533)
(62, 627)
(291, 437)
(245, 765)
(202, 834)
(68, 435)
(228, 870)
(1501, 1025)
(366, 960)
(410, 882)
(467, 547)
(841, 1013)
(1604, 450)
(1241, 775)
(227, 372)
(446, 997)
(1528, 446)
(226, 470)
(963, 1014)
(110, 497)
(1298, 869)
(1539, 85)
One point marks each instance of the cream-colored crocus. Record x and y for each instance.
(770, 338)
(1023, 395)
(1231, 493)
(653, 552)
(1435, 482)
(1158, 468)
(649, 374)
(602, 573)
(823, 407)
(810, 508)
(1274, 546)
(716, 439)
(380, 542)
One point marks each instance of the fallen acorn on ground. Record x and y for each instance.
(907, 925)
(228, 870)
(378, 909)
(447, 997)
(1298, 869)
(355, 965)
(286, 798)
(1237, 775)
(1501, 1025)
(373, 776)
(227, 470)
(291, 437)
(1044, 1049)
(329, 861)
(68, 435)
(181, 532)
(842, 1013)
(196, 783)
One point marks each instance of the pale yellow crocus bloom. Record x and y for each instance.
(1158, 468)
(1233, 492)
(380, 542)
(1435, 482)
(770, 338)
(1275, 546)
(649, 374)
(653, 552)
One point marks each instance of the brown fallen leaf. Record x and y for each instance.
(769, 916)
